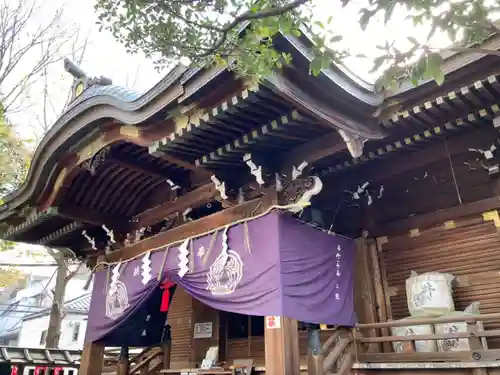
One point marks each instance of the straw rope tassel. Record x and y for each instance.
(162, 266)
(191, 255)
(107, 280)
(247, 237)
(210, 247)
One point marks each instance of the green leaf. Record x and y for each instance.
(433, 68)
(366, 15)
(377, 63)
(413, 41)
(316, 66)
(336, 38)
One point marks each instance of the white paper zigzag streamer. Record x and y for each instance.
(183, 258)
(146, 268)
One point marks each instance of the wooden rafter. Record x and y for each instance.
(421, 138)
(155, 150)
(314, 150)
(185, 125)
(276, 128)
(87, 216)
(201, 195)
(137, 168)
(59, 233)
(448, 102)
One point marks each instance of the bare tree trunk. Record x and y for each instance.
(64, 275)
(54, 330)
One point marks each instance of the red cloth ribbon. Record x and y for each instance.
(165, 299)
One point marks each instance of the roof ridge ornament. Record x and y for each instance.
(81, 80)
(354, 142)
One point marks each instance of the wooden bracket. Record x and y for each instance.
(414, 232)
(492, 216)
(450, 224)
(381, 241)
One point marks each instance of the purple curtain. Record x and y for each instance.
(273, 265)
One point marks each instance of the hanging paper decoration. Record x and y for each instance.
(487, 153)
(185, 214)
(115, 275)
(139, 233)
(183, 258)
(381, 191)
(146, 268)
(297, 171)
(165, 299)
(254, 170)
(90, 240)
(173, 186)
(220, 186)
(241, 195)
(364, 190)
(361, 189)
(109, 233)
(279, 184)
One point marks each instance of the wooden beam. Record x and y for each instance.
(201, 195)
(429, 155)
(439, 218)
(314, 150)
(137, 168)
(87, 216)
(154, 150)
(194, 228)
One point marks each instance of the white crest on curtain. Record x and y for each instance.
(117, 297)
(226, 271)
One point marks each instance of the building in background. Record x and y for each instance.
(33, 328)
(30, 296)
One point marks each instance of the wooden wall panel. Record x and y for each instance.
(471, 252)
(432, 188)
(180, 319)
(204, 314)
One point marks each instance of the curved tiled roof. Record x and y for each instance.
(78, 305)
(116, 92)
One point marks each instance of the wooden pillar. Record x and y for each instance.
(365, 302)
(123, 361)
(166, 346)
(92, 359)
(380, 292)
(314, 355)
(281, 337)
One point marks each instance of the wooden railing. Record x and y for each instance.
(334, 356)
(368, 340)
(148, 361)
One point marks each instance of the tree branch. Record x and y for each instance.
(248, 16)
(72, 273)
